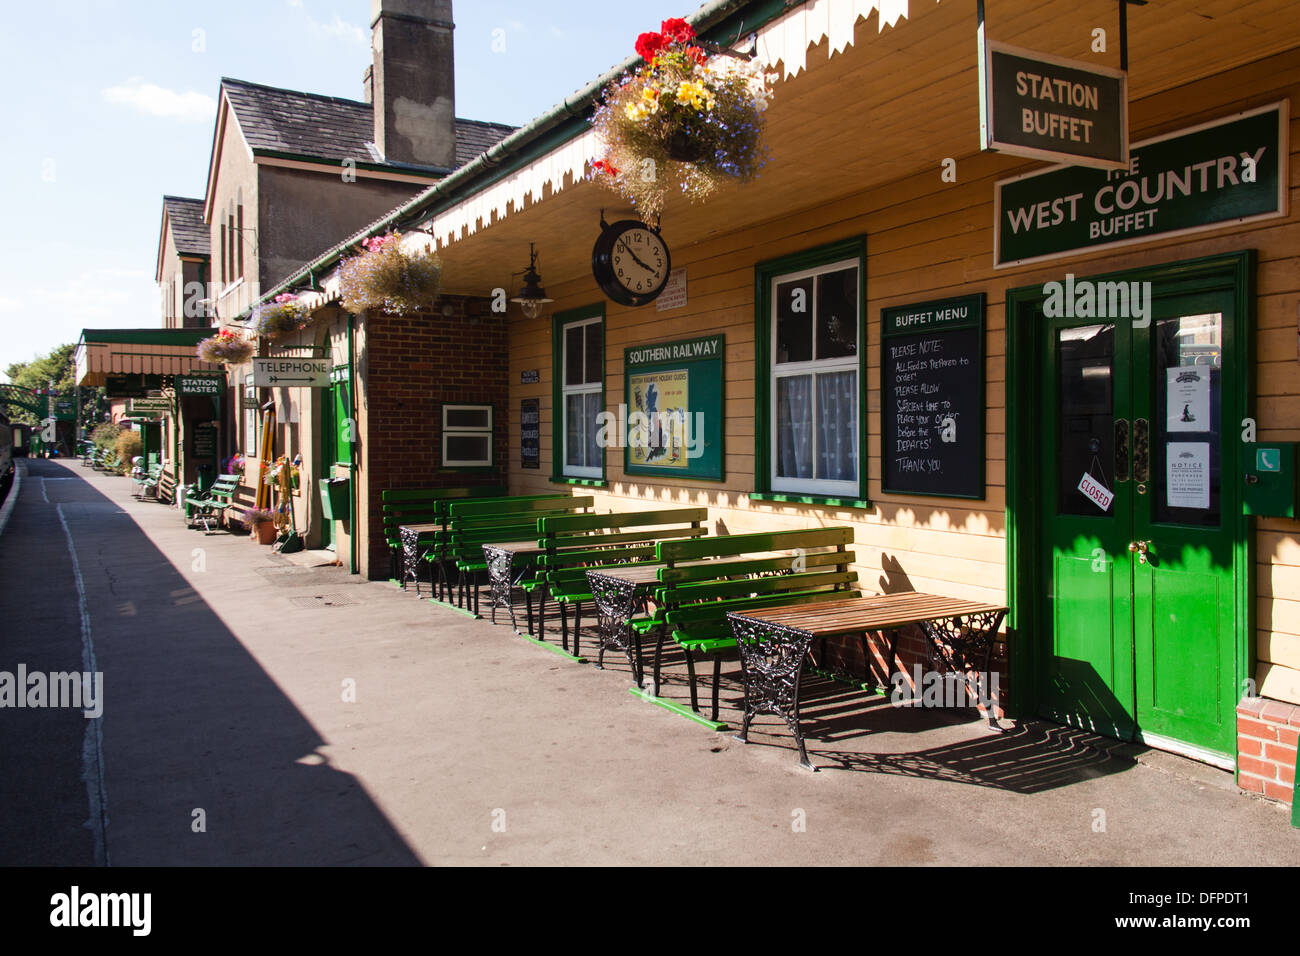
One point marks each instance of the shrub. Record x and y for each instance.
(105, 435)
(129, 444)
(385, 277)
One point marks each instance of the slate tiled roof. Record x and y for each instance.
(185, 217)
(329, 127)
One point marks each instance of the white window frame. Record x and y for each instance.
(251, 435)
(451, 431)
(779, 370)
(597, 388)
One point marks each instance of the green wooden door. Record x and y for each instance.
(1137, 501)
(329, 454)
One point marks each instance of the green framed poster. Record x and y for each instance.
(671, 418)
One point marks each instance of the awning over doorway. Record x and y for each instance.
(104, 352)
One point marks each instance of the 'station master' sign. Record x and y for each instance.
(1044, 107)
(1230, 170)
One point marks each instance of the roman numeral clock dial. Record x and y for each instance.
(630, 262)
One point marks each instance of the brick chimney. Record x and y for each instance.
(413, 81)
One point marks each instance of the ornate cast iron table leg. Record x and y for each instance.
(771, 666)
(615, 602)
(501, 581)
(958, 642)
(410, 558)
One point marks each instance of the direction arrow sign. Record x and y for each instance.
(291, 372)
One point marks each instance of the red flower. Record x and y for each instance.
(648, 45)
(602, 166)
(696, 54)
(677, 30)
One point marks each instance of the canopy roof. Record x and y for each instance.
(104, 352)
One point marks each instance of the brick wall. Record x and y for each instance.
(414, 365)
(1267, 731)
(845, 656)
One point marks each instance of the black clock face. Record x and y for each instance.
(631, 262)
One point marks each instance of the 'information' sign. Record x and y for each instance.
(1044, 107)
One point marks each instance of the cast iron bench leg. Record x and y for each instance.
(690, 674)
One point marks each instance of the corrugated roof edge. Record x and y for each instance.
(714, 15)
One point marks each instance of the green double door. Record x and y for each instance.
(1137, 491)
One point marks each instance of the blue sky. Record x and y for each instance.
(109, 105)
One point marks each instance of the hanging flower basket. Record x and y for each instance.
(681, 123)
(387, 278)
(225, 348)
(282, 318)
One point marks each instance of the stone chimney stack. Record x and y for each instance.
(413, 81)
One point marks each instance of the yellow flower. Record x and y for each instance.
(695, 95)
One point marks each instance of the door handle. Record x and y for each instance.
(1141, 450)
(1143, 551)
(1121, 449)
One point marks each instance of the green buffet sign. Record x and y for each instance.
(1227, 171)
(670, 423)
(1044, 107)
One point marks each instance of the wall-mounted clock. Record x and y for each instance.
(630, 262)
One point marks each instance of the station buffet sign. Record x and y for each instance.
(670, 423)
(1231, 170)
(1044, 107)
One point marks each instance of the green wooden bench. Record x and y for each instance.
(430, 545)
(574, 543)
(472, 524)
(419, 506)
(146, 482)
(204, 507)
(702, 580)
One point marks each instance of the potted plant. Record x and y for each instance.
(262, 522)
(387, 277)
(682, 122)
(225, 348)
(281, 318)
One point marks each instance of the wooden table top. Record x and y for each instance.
(634, 574)
(422, 528)
(516, 547)
(874, 613)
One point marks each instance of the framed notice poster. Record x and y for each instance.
(670, 423)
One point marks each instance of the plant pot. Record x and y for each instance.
(685, 148)
(265, 532)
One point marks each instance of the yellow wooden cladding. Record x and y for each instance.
(928, 239)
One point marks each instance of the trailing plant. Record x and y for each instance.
(282, 318)
(682, 122)
(257, 515)
(387, 278)
(225, 347)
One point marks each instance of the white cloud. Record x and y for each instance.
(188, 107)
(339, 28)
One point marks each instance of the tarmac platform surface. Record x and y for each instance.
(259, 712)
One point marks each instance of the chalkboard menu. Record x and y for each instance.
(932, 398)
(530, 417)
